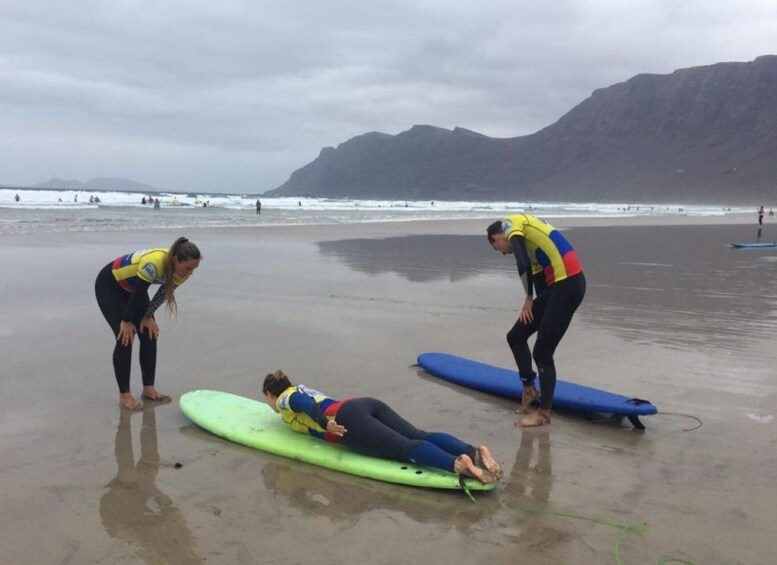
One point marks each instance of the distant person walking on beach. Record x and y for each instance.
(760, 216)
(122, 294)
(370, 427)
(550, 270)
(258, 206)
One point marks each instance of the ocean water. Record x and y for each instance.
(51, 211)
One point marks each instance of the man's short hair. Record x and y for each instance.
(494, 229)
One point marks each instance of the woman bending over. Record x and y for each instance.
(122, 294)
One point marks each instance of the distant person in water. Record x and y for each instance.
(258, 206)
(121, 289)
(760, 216)
(553, 279)
(17, 198)
(157, 206)
(370, 427)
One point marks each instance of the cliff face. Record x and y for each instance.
(704, 134)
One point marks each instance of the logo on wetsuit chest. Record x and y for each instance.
(308, 391)
(150, 270)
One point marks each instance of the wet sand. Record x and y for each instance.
(672, 315)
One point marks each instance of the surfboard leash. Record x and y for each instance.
(465, 488)
(689, 416)
(634, 526)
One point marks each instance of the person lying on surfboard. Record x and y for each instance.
(370, 427)
(548, 267)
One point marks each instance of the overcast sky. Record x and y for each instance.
(233, 96)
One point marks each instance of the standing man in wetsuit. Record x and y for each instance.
(553, 279)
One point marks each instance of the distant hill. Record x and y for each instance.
(704, 134)
(122, 185)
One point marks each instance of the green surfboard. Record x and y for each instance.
(253, 423)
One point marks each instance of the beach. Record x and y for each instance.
(672, 314)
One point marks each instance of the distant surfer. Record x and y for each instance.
(17, 198)
(370, 427)
(760, 216)
(550, 270)
(122, 294)
(258, 206)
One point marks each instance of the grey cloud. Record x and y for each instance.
(253, 90)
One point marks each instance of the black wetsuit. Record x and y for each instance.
(118, 305)
(552, 310)
(373, 428)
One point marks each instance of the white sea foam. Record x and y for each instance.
(71, 210)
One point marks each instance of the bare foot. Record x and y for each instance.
(150, 393)
(485, 460)
(128, 401)
(540, 418)
(529, 395)
(464, 466)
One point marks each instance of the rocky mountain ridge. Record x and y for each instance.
(703, 134)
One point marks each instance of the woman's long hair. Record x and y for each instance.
(183, 250)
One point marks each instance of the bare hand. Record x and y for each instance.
(335, 429)
(151, 325)
(126, 333)
(526, 315)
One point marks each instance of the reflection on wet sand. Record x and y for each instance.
(341, 498)
(677, 286)
(134, 510)
(530, 483)
(420, 258)
(531, 477)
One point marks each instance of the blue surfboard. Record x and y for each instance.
(504, 382)
(753, 245)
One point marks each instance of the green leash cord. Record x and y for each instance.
(465, 488)
(637, 527)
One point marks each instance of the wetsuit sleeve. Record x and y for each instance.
(156, 302)
(523, 262)
(141, 289)
(303, 403)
